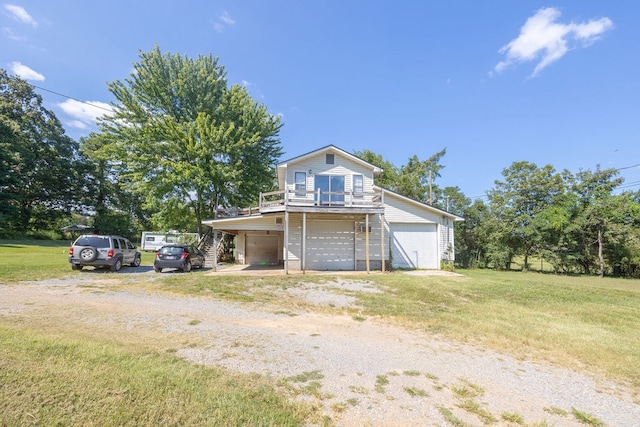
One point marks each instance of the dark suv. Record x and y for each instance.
(103, 251)
(183, 257)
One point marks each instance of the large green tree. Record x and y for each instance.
(185, 138)
(38, 179)
(526, 191)
(114, 209)
(600, 214)
(415, 179)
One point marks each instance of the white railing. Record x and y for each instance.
(320, 198)
(283, 198)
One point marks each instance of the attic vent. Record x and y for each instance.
(330, 159)
(278, 220)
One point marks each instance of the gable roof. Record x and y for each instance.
(438, 211)
(282, 166)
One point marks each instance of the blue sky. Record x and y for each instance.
(494, 82)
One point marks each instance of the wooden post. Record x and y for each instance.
(303, 255)
(215, 249)
(382, 240)
(286, 242)
(366, 239)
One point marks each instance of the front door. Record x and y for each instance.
(329, 184)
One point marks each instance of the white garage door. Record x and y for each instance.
(414, 246)
(261, 249)
(330, 245)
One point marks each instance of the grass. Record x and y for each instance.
(450, 418)
(29, 260)
(61, 380)
(587, 419)
(24, 260)
(474, 408)
(512, 417)
(416, 392)
(306, 376)
(381, 381)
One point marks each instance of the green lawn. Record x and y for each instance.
(49, 380)
(22, 260)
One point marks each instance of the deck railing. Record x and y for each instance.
(281, 199)
(320, 198)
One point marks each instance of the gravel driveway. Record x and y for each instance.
(361, 371)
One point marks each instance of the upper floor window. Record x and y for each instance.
(358, 185)
(301, 183)
(330, 159)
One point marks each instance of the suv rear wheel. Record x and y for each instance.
(117, 266)
(136, 261)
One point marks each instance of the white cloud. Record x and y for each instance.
(218, 27)
(25, 72)
(85, 114)
(20, 14)
(10, 34)
(545, 40)
(225, 20)
(77, 124)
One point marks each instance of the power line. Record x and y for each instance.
(75, 99)
(628, 167)
(629, 184)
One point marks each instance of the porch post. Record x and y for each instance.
(303, 257)
(286, 242)
(382, 240)
(215, 249)
(366, 238)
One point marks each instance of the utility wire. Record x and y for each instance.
(628, 167)
(75, 99)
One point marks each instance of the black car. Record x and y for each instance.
(183, 257)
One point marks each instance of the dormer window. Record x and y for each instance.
(330, 159)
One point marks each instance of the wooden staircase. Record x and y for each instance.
(212, 246)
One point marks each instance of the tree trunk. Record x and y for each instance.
(600, 258)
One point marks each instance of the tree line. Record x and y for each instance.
(570, 223)
(181, 142)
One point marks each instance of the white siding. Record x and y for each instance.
(342, 166)
(396, 209)
(446, 240)
(375, 240)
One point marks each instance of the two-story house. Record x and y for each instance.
(329, 215)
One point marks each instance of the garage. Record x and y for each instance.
(261, 249)
(330, 245)
(414, 246)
